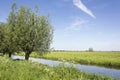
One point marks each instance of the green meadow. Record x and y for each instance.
(107, 59)
(29, 70)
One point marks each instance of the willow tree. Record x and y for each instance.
(2, 37)
(33, 31)
(11, 37)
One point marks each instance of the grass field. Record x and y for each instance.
(28, 70)
(107, 59)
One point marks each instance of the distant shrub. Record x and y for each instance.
(90, 49)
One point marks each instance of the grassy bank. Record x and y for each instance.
(28, 70)
(108, 59)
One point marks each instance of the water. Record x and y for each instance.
(115, 73)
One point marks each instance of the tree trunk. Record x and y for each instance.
(10, 55)
(27, 56)
(3, 53)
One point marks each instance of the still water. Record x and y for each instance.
(115, 73)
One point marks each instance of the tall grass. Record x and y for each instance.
(28, 70)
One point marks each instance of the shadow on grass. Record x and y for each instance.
(18, 59)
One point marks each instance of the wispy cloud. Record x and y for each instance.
(76, 24)
(81, 6)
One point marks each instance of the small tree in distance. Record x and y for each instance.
(90, 49)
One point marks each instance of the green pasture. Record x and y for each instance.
(107, 59)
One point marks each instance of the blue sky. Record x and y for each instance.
(78, 24)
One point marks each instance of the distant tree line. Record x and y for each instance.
(26, 31)
(89, 50)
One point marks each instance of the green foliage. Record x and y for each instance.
(8, 37)
(34, 32)
(28, 70)
(25, 31)
(3, 37)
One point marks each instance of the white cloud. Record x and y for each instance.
(76, 24)
(81, 6)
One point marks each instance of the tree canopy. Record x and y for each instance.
(27, 31)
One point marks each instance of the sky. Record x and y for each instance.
(78, 24)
